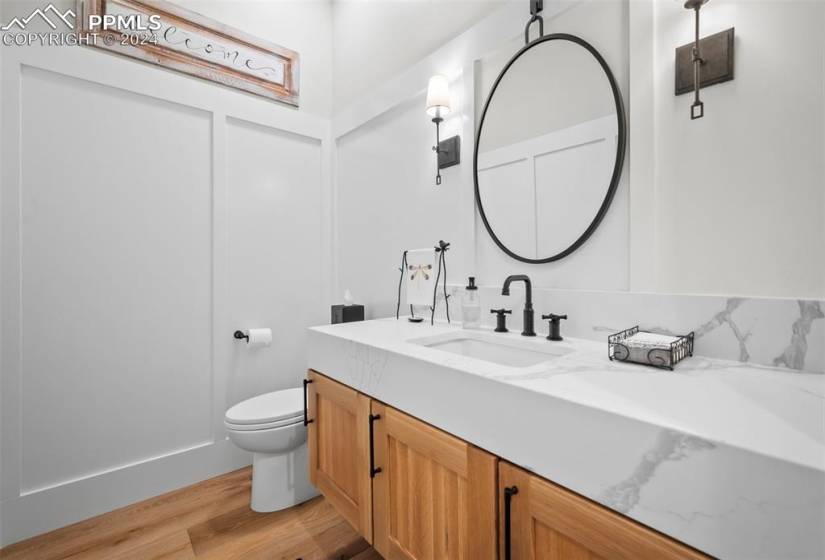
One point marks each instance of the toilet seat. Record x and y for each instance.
(263, 426)
(270, 410)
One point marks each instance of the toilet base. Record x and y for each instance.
(280, 481)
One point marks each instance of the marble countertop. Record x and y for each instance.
(725, 456)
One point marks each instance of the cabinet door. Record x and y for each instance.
(548, 522)
(339, 449)
(435, 496)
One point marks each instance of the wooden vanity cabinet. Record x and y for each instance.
(418, 493)
(435, 495)
(338, 440)
(548, 522)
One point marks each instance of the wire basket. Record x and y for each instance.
(663, 355)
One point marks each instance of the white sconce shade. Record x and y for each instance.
(438, 96)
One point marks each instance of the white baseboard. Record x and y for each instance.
(57, 506)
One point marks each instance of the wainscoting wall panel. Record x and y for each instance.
(131, 199)
(274, 186)
(116, 285)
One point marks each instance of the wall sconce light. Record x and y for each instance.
(704, 62)
(448, 152)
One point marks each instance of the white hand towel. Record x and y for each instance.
(648, 347)
(420, 276)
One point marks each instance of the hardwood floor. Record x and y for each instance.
(210, 520)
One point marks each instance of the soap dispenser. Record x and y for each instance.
(471, 306)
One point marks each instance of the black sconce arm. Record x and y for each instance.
(697, 109)
(437, 149)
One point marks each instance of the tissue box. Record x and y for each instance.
(347, 313)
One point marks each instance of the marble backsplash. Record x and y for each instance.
(786, 333)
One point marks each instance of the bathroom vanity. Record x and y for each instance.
(436, 442)
(436, 495)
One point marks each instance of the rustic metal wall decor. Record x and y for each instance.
(717, 65)
(196, 45)
(704, 62)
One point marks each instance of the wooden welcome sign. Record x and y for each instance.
(170, 36)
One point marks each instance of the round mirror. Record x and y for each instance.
(549, 149)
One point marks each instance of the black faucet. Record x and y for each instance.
(529, 328)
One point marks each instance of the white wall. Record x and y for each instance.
(146, 215)
(384, 188)
(374, 41)
(447, 212)
(730, 204)
(387, 200)
(741, 192)
(110, 274)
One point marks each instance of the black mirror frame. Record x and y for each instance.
(620, 148)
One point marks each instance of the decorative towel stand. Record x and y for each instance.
(441, 250)
(413, 318)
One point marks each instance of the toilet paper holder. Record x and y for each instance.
(255, 338)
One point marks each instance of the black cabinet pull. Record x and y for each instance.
(307, 421)
(509, 492)
(373, 470)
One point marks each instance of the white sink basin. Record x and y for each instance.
(503, 349)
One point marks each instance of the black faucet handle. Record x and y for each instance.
(501, 318)
(555, 325)
(553, 317)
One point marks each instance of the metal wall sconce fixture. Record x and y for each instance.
(704, 62)
(448, 152)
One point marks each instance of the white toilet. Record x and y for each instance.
(272, 427)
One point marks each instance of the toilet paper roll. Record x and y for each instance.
(260, 337)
